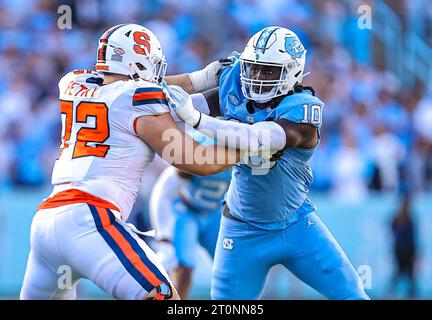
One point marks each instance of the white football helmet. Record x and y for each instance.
(272, 47)
(131, 50)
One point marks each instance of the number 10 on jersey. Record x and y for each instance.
(311, 114)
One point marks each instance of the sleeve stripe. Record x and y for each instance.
(149, 101)
(148, 95)
(153, 89)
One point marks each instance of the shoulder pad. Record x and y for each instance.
(77, 80)
(147, 98)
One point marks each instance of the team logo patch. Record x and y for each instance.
(294, 47)
(228, 244)
(309, 223)
(233, 99)
(117, 55)
(119, 51)
(250, 118)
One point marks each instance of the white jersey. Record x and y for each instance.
(100, 152)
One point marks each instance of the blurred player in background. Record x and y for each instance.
(113, 122)
(268, 218)
(405, 251)
(185, 211)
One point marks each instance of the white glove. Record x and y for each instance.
(208, 78)
(181, 102)
(167, 256)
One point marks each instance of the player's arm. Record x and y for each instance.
(262, 136)
(182, 80)
(298, 134)
(161, 133)
(201, 80)
(209, 98)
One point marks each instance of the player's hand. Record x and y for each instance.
(208, 78)
(181, 102)
(167, 256)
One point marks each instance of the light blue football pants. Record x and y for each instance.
(244, 255)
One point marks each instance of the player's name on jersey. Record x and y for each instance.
(77, 89)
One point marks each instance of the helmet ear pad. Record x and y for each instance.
(272, 46)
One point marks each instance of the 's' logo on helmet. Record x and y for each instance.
(294, 47)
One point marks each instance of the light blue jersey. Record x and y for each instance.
(277, 223)
(206, 193)
(197, 211)
(273, 199)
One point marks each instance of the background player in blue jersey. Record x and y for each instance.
(185, 210)
(268, 218)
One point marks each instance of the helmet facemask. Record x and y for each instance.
(262, 89)
(150, 71)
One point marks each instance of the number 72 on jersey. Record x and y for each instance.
(84, 130)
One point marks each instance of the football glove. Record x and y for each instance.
(208, 78)
(181, 102)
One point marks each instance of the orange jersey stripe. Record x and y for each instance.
(127, 249)
(148, 95)
(71, 196)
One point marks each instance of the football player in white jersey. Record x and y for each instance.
(114, 119)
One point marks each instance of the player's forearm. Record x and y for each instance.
(262, 136)
(180, 150)
(207, 160)
(200, 80)
(181, 80)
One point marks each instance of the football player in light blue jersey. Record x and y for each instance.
(268, 218)
(185, 210)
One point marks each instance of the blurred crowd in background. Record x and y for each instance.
(377, 130)
(377, 134)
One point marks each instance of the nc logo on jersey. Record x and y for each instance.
(294, 47)
(250, 118)
(228, 244)
(233, 99)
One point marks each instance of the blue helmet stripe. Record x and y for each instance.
(264, 38)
